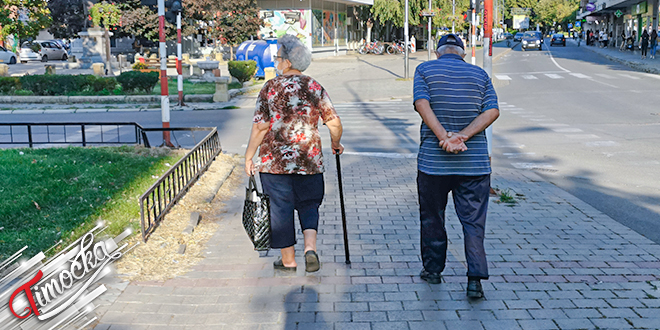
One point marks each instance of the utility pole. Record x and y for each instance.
(453, 16)
(164, 92)
(429, 44)
(177, 8)
(406, 57)
(473, 38)
(488, 58)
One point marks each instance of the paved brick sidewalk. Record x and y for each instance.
(630, 58)
(556, 263)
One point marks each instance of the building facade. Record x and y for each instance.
(326, 27)
(629, 16)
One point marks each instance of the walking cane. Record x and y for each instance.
(343, 210)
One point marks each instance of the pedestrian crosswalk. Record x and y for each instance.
(564, 75)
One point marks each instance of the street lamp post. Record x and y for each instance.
(406, 67)
(164, 92)
(453, 16)
(429, 44)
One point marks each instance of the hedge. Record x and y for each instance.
(242, 70)
(136, 80)
(49, 85)
(8, 85)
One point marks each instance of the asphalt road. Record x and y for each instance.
(588, 125)
(584, 123)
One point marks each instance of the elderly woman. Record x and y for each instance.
(290, 161)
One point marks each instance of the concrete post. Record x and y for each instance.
(654, 12)
(4, 70)
(221, 89)
(98, 69)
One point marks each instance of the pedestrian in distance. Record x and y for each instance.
(290, 161)
(457, 102)
(623, 40)
(645, 43)
(654, 42)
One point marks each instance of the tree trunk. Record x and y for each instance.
(108, 53)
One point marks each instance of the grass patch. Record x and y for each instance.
(58, 194)
(505, 197)
(188, 87)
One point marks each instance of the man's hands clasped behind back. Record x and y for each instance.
(454, 143)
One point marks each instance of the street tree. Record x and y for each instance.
(68, 18)
(550, 12)
(23, 18)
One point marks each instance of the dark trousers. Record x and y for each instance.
(470, 194)
(289, 192)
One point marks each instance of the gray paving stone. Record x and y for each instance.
(583, 313)
(314, 326)
(439, 325)
(646, 323)
(611, 323)
(547, 313)
(537, 324)
(386, 306)
(467, 325)
(353, 326)
(389, 326)
(512, 314)
(500, 325)
(405, 316)
(440, 315)
(369, 316)
(574, 323)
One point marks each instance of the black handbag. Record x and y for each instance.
(256, 216)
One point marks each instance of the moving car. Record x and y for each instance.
(7, 56)
(559, 39)
(507, 35)
(532, 40)
(518, 36)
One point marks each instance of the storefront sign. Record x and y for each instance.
(640, 8)
(618, 13)
(593, 18)
(590, 6)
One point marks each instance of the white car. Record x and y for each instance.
(42, 51)
(7, 56)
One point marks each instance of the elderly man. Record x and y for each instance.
(456, 101)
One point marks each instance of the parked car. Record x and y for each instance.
(518, 36)
(7, 56)
(532, 40)
(30, 51)
(559, 39)
(507, 35)
(52, 50)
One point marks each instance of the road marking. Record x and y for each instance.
(502, 77)
(553, 76)
(606, 76)
(507, 106)
(529, 77)
(579, 75)
(542, 119)
(512, 155)
(567, 130)
(529, 166)
(553, 125)
(517, 146)
(555, 62)
(601, 144)
(581, 136)
(628, 76)
(381, 154)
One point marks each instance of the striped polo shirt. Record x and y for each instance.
(458, 92)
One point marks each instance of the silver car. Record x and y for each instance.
(51, 50)
(7, 56)
(30, 52)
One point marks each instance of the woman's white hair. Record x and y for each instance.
(294, 51)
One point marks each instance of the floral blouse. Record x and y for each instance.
(292, 105)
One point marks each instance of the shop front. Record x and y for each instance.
(326, 27)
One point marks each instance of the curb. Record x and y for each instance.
(631, 64)
(101, 99)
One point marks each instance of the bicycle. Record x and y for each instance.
(373, 47)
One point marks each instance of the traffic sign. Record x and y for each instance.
(618, 13)
(570, 25)
(578, 24)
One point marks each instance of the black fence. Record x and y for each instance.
(173, 185)
(71, 133)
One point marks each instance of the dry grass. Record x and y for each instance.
(158, 259)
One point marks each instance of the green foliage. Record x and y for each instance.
(23, 92)
(54, 194)
(554, 11)
(50, 85)
(394, 11)
(38, 18)
(9, 85)
(138, 81)
(105, 14)
(242, 70)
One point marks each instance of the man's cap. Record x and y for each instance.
(450, 39)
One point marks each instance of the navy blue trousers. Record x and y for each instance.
(289, 192)
(470, 194)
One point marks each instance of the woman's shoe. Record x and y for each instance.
(278, 264)
(312, 263)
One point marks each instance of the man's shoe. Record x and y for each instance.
(431, 278)
(474, 289)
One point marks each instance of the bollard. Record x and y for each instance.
(123, 62)
(185, 58)
(218, 57)
(221, 89)
(50, 69)
(269, 73)
(99, 69)
(4, 70)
